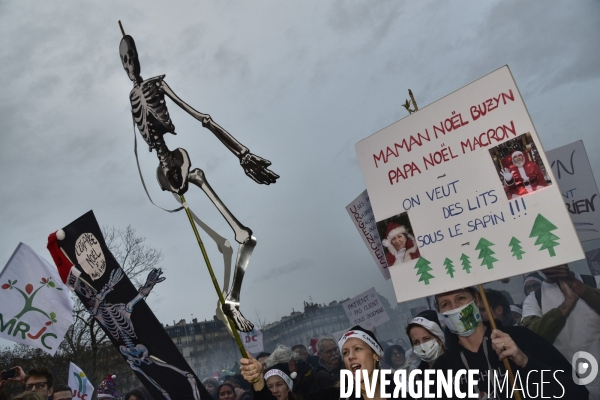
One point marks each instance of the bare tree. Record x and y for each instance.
(85, 338)
(260, 322)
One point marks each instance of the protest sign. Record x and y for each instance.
(468, 179)
(577, 185)
(79, 383)
(338, 335)
(366, 310)
(593, 260)
(362, 216)
(253, 341)
(36, 309)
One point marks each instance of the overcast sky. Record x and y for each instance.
(298, 83)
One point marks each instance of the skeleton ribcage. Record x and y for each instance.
(117, 320)
(150, 112)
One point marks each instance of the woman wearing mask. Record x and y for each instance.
(472, 344)
(426, 337)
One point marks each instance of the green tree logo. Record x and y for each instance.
(29, 294)
(542, 229)
(515, 247)
(449, 267)
(485, 253)
(466, 263)
(423, 269)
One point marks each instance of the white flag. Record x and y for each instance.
(36, 309)
(79, 383)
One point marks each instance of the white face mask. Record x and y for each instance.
(428, 351)
(464, 320)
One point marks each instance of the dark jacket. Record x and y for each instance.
(541, 356)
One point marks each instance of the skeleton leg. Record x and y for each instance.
(134, 366)
(247, 242)
(190, 377)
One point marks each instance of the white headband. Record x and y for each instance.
(280, 374)
(430, 326)
(364, 337)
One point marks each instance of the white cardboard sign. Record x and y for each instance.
(366, 310)
(362, 216)
(253, 341)
(468, 179)
(574, 175)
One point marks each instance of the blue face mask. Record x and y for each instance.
(464, 320)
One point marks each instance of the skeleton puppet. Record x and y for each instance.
(151, 116)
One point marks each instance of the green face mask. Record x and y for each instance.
(464, 320)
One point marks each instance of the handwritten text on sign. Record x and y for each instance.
(362, 216)
(578, 187)
(447, 167)
(366, 310)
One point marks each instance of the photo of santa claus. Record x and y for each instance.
(399, 243)
(519, 166)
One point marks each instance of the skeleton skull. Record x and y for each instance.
(129, 58)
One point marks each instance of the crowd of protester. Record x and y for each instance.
(559, 317)
(38, 384)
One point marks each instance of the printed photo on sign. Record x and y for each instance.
(520, 167)
(398, 239)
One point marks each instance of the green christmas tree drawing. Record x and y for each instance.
(485, 253)
(423, 269)
(466, 263)
(542, 229)
(515, 247)
(449, 267)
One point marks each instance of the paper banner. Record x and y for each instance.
(36, 309)
(362, 216)
(366, 310)
(577, 185)
(468, 178)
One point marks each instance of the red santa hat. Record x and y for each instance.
(393, 229)
(516, 153)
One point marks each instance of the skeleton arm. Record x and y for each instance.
(254, 166)
(115, 277)
(144, 291)
(225, 137)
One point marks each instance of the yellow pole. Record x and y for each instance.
(488, 310)
(236, 335)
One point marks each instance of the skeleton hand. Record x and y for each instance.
(256, 168)
(115, 277)
(507, 175)
(153, 279)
